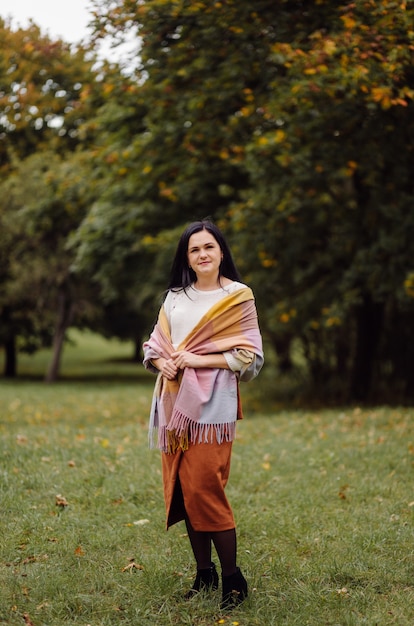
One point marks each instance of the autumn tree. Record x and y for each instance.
(197, 68)
(331, 180)
(290, 123)
(48, 92)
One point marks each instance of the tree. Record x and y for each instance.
(46, 199)
(196, 74)
(45, 92)
(48, 93)
(288, 122)
(331, 175)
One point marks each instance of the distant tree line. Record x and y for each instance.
(290, 123)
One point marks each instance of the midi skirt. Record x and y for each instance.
(194, 482)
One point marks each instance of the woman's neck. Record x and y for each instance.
(210, 284)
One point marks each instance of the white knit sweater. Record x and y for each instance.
(185, 309)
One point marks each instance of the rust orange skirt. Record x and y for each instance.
(194, 483)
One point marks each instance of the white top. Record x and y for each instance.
(185, 309)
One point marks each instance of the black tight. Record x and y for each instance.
(225, 543)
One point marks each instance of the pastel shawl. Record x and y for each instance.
(204, 402)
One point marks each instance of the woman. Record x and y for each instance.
(206, 339)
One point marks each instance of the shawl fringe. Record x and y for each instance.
(188, 431)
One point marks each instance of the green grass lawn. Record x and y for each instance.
(86, 356)
(324, 502)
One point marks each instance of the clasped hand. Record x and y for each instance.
(178, 361)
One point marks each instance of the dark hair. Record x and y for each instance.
(182, 276)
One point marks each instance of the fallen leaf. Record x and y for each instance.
(131, 566)
(61, 501)
(27, 619)
(29, 559)
(342, 491)
(79, 551)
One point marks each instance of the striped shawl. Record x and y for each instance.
(203, 402)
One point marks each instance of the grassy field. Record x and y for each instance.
(324, 501)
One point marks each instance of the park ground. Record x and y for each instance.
(324, 502)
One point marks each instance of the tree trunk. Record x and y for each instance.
(10, 351)
(282, 344)
(137, 358)
(369, 318)
(65, 315)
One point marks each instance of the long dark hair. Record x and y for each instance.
(181, 275)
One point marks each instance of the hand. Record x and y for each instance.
(183, 359)
(169, 369)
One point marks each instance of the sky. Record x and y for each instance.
(66, 19)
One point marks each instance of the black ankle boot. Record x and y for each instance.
(206, 579)
(234, 589)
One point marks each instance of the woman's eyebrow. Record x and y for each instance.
(203, 245)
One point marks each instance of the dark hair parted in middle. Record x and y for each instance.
(182, 276)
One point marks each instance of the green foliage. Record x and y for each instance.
(49, 92)
(44, 200)
(43, 84)
(331, 176)
(288, 123)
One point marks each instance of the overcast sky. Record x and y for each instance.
(67, 19)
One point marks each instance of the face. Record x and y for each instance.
(204, 254)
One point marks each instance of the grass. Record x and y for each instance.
(324, 502)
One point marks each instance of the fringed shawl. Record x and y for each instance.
(203, 402)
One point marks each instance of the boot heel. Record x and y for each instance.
(234, 590)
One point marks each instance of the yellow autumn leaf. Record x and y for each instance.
(329, 46)
(280, 136)
(262, 141)
(333, 321)
(348, 21)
